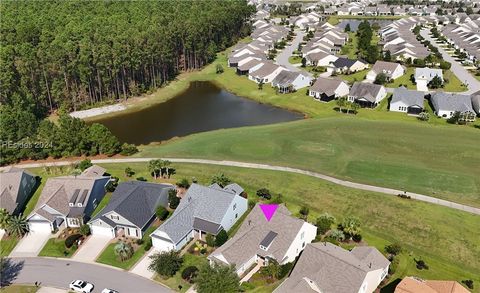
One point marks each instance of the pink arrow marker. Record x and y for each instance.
(268, 210)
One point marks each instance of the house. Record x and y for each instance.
(390, 69)
(131, 209)
(346, 66)
(414, 284)
(320, 58)
(259, 241)
(367, 94)
(407, 101)
(68, 200)
(424, 75)
(202, 210)
(327, 89)
(327, 268)
(288, 81)
(266, 73)
(16, 187)
(446, 104)
(249, 66)
(476, 102)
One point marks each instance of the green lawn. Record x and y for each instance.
(351, 78)
(103, 203)
(404, 80)
(295, 59)
(453, 84)
(350, 48)
(440, 161)
(19, 289)
(176, 280)
(108, 254)
(56, 248)
(7, 245)
(445, 238)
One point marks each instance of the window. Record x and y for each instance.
(115, 217)
(236, 215)
(302, 235)
(234, 206)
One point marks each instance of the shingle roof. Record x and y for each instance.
(285, 78)
(368, 91)
(408, 97)
(207, 203)
(326, 85)
(332, 269)
(451, 102)
(344, 62)
(94, 171)
(246, 242)
(428, 73)
(10, 181)
(415, 285)
(385, 67)
(267, 68)
(137, 201)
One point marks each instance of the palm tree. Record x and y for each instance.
(123, 250)
(154, 166)
(355, 107)
(4, 217)
(341, 102)
(166, 165)
(17, 226)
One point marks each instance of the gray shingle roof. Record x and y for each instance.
(206, 203)
(137, 201)
(368, 91)
(246, 242)
(451, 102)
(285, 78)
(10, 181)
(326, 85)
(332, 269)
(409, 97)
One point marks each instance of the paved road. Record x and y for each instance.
(457, 68)
(331, 179)
(282, 58)
(59, 273)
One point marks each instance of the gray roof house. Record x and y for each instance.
(367, 94)
(476, 102)
(327, 89)
(259, 241)
(68, 200)
(202, 210)
(288, 81)
(407, 101)
(16, 187)
(446, 104)
(131, 209)
(327, 268)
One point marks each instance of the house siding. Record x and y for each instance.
(229, 219)
(309, 232)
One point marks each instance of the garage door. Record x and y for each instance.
(162, 245)
(104, 231)
(40, 227)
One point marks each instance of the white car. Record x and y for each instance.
(106, 290)
(81, 286)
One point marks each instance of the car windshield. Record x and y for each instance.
(82, 284)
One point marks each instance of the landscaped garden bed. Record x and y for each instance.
(60, 246)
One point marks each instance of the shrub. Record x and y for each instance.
(189, 273)
(173, 200)
(264, 193)
(421, 265)
(210, 240)
(166, 263)
(468, 283)
(183, 183)
(72, 239)
(324, 223)
(393, 248)
(139, 241)
(128, 149)
(161, 213)
(393, 266)
(84, 230)
(141, 179)
(304, 211)
(148, 244)
(129, 172)
(84, 164)
(221, 238)
(112, 184)
(285, 270)
(357, 237)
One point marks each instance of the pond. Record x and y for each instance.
(354, 23)
(202, 107)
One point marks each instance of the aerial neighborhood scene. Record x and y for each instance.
(221, 146)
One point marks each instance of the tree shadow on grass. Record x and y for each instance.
(390, 288)
(9, 271)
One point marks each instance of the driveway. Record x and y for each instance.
(31, 244)
(141, 268)
(59, 273)
(463, 75)
(91, 248)
(282, 58)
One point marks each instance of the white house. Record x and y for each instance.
(202, 210)
(327, 89)
(446, 104)
(390, 69)
(259, 240)
(288, 81)
(424, 75)
(320, 58)
(407, 101)
(266, 73)
(367, 94)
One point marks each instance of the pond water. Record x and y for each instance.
(202, 107)
(354, 23)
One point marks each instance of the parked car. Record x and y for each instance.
(81, 286)
(106, 290)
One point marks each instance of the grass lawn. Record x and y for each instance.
(108, 254)
(445, 238)
(19, 289)
(351, 78)
(453, 84)
(56, 248)
(176, 280)
(103, 203)
(294, 59)
(404, 80)
(7, 244)
(440, 161)
(350, 48)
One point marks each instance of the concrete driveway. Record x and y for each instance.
(31, 244)
(89, 251)
(141, 268)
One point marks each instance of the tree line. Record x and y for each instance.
(72, 53)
